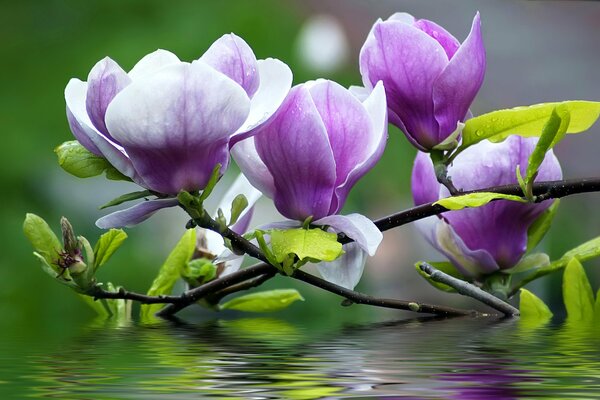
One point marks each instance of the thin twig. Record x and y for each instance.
(360, 298)
(218, 296)
(99, 293)
(467, 289)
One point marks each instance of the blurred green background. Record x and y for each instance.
(537, 51)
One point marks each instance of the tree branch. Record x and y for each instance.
(467, 289)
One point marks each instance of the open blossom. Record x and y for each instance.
(319, 143)
(166, 124)
(480, 241)
(430, 78)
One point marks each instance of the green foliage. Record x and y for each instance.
(472, 200)
(107, 245)
(97, 305)
(312, 244)
(199, 271)
(119, 309)
(527, 121)
(80, 162)
(538, 229)
(532, 308)
(127, 197)
(444, 266)
(267, 301)
(44, 241)
(170, 271)
(529, 262)
(238, 205)
(577, 293)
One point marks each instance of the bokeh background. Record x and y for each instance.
(537, 51)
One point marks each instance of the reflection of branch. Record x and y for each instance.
(467, 289)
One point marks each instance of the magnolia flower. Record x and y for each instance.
(306, 158)
(480, 241)
(430, 78)
(166, 124)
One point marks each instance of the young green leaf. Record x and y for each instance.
(443, 266)
(268, 301)
(315, 244)
(540, 226)
(530, 261)
(171, 271)
(532, 307)
(199, 271)
(80, 162)
(44, 241)
(472, 200)
(238, 205)
(577, 293)
(96, 305)
(127, 197)
(597, 307)
(526, 121)
(107, 245)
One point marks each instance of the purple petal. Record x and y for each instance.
(105, 80)
(275, 84)
(357, 227)
(376, 108)
(80, 134)
(347, 270)
(175, 124)
(442, 36)
(134, 215)
(425, 187)
(152, 62)
(246, 157)
(457, 85)
(232, 56)
(295, 148)
(408, 61)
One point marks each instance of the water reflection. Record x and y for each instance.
(267, 358)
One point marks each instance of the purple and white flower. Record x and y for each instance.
(166, 124)
(306, 158)
(480, 241)
(430, 78)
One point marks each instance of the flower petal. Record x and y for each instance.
(441, 35)
(408, 61)
(357, 227)
(152, 62)
(347, 270)
(459, 82)
(246, 157)
(105, 80)
(425, 187)
(175, 124)
(275, 84)
(232, 56)
(295, 148)
(134, 215)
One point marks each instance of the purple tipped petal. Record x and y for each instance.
(295, 148)
(408, 61)
(246, 157)
(175, 124)
(80, 133)
(442, 36)
(105, 80)
(134, 215)
(152, 62)
(425, 187)
(456, 87)
(275, 84)
(347, 270)
(232, 56)
(357, 227)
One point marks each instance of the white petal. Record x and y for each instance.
(152, 62)
(134, 215)
(357, 227)
(347, 270)
(246, 157)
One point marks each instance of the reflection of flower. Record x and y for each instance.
(430, 78)
(482, 240)
(166, 124)
(319, 143)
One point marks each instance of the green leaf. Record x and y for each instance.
(268, 301)
(107, 245)
(472, 200)
(314, 244)
(199, 271)
(597, 307)
(577, 293)
(526, 121)
(532, 307)
(127, 197)
(445, 267)
(80, 162)
(44, 241)
(96, 305)
(529, 262)
(238, 205)
(171, 271)
(540, 226)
